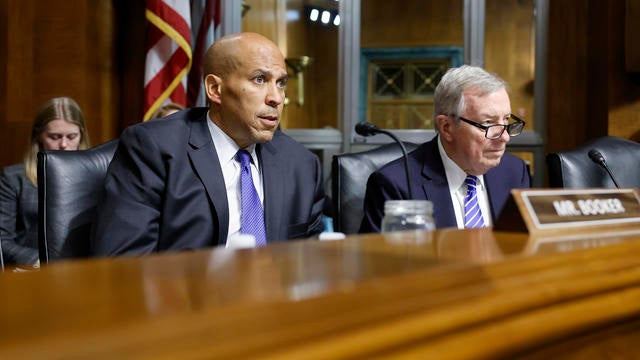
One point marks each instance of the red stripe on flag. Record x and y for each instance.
(175, 20)
(165, 23)
(179, 95)
(163, 79)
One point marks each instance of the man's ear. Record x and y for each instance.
(445, 126)
(213, 88)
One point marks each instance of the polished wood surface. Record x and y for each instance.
(441, 294)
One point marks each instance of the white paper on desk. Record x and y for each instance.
(241, 241)
(331, 236)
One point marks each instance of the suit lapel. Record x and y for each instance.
(206, 164)
(434, 184)
(493, 182)
(274, 183)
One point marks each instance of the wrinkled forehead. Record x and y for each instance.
(484, 102)
(483, 90)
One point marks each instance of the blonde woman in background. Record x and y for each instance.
(59, 125)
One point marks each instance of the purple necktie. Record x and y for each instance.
(472, 214)
(252, 216)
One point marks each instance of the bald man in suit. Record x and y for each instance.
(174, 183)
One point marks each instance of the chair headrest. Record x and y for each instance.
(69, 188)
(575, 169)
(350, 173)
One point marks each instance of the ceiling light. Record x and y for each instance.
(325, 17)
(336, 20)
(313, 16)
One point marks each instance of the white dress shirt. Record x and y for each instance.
(458, 189)
(227, 149)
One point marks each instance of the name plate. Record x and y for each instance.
(574, 210)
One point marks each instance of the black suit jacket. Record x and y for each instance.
(18, 216)
(429, 182)
(164, 189)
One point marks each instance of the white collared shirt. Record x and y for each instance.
(227, 149)
(458, 189)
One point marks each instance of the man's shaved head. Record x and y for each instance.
(224, 55)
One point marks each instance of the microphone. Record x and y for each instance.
(368, 129)
(598, 158)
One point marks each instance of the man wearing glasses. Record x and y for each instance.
(464, 170)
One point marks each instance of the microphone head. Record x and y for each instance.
(366, 129)
(596, 156)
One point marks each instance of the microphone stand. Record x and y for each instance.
(598, 158)
(611, 175)
(405, 156)
(368, 129)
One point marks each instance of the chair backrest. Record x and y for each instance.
(69, 188)
(349, 175)
(574, 168)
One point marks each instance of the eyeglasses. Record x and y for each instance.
(493, 132)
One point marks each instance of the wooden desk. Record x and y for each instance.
(443, 294)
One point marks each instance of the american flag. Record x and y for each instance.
(173, 70)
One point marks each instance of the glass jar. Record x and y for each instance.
(400, 215)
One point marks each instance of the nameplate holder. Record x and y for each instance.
(570, 211)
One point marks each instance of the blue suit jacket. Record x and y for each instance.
(164, 189)
(429, 182)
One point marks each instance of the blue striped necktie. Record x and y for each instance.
(251, 216)
(472, 213)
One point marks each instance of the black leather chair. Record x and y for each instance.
(349, 175)
(69, 188)
(574, 168)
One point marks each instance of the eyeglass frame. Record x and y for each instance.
(504, 127)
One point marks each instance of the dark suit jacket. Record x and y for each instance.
(429, 182)
(164, 189)
(18, 216)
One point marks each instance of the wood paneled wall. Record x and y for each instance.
(631, 31)
(49, 49)
(266, 17)
(129, 53)
(589, 92)
(510, 51)
(624, 83)
(93, 50)
(411, 23)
